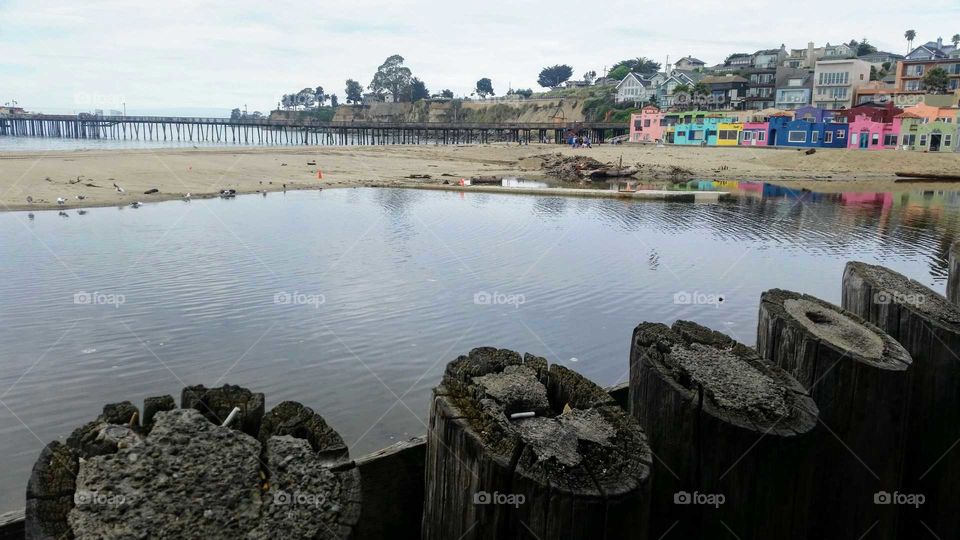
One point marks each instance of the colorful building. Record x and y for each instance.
(878, 112)
(813, 114)
(648, 126)
(699, 128)
(728, 133)
(920, 134)
(754, 133)
(784, 131)
(869, 134)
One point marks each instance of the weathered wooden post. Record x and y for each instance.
(953, 280)
(190, 477)
(517, 450)
(731, 434)
(928, 327)
(859, 378)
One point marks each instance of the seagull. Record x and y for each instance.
(64, 214)
(187, 196)
(136, 204)
(81, 197)
(119, 189)
(61, 201)
(82, 212)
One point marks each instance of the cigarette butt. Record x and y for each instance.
(233, 414)
(517, 415)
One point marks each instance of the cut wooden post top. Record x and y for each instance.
(891, 287)
(728, 379)
(577, 438)
(847, 334)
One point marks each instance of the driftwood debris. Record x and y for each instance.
(190, 477)
(926, 177)
(579, 474)
(928, 327)
(584, 167)
(859, 378)
(732, 434)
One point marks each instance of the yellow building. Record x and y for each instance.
(728, 133)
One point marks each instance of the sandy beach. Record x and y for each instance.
(203, 172)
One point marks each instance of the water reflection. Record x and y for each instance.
(399, 271)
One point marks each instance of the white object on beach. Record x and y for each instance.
(233, 414)
(61, 200)
(517, 415)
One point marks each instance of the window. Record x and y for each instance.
(909, 140)
(947, 141)
(874, 139)
(761, 136)
(748, 135)
(646, 123)
(841, 134)
(728, 134)
(815, 137)
(695, 135)
(797, 136)
(911, 85)
(889, 140)
(827, 137)
(923, 140)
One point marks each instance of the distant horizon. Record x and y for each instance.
(197, 56)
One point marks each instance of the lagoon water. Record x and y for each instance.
(353, 300)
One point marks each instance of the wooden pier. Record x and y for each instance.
(264, 131)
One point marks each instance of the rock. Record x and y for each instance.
(292, 418)
(217, 403)
(153, 405)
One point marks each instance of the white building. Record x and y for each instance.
(834, 82)
(632, 88)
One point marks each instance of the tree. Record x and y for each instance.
(446, 93)
(484, 88)
(235, 115)
(257, 115)
(874, 74)
(554, 75)
(525, 92)
(418, 90)
(640, 65)
(354, 92)
(936, 81)
(319, 96)
(334, 101)
(955, 40)
(910, 34)
(305, 98)
(700, 89)
(862, 47)
(392, 76)
(589, 76)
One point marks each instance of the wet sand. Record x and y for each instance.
(203, 172)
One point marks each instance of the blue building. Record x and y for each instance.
(785, 131)
(697, 128)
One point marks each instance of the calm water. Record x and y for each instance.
(352, 300)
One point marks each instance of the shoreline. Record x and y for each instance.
(204, 171)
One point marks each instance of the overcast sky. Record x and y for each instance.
(79, 55)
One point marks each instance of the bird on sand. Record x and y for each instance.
(136, 204)
(187, 196)
(119, 189)
(61, 201)
(81, 197)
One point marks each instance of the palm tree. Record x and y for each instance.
(955, 39)
(910, 34)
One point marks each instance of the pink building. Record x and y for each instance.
(648, 125)
(868, 134)
(754, 134)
